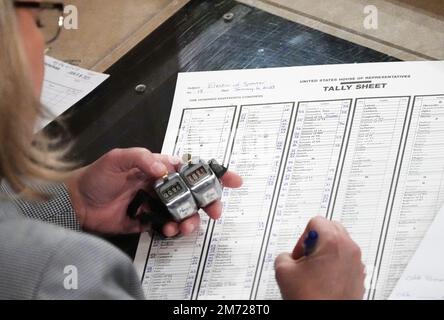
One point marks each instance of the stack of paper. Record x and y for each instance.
(64, 85)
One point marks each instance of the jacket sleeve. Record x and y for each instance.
(85, 267)
(57, 210)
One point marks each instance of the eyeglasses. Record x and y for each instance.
(49, 17)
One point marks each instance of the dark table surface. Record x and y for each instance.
(197, 38)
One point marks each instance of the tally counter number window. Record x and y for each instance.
(197, 175)
(172, 191)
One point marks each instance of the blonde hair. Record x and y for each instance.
(23, 156)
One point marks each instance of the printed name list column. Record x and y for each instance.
(236, 240)
(419, 194)
(204, 132)
(170, 271)
(368, 171)
(308, 180)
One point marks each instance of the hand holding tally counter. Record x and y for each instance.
(213, 209)
(180, 193)
(102, 192)
(325, 264)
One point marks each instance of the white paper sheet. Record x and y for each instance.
(424, 276)
(359, 143)
(64, 85)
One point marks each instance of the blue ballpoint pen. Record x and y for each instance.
(310, 242)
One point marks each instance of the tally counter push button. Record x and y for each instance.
(177, 197)
(202, 180)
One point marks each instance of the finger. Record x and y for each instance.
(231, 180)
(319, 224)
(171, 229)
(188, 226)
(283, 259)
(125, 160)
(298, 251)
(341, 228)
(137, 180)
(283, 267)
(172, 163)
(214, 210)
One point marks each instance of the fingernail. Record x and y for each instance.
(174, 160)
(158, 168)
(191, 228)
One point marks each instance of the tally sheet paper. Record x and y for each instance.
(362, 144)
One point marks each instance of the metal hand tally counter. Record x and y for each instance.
(183, 193)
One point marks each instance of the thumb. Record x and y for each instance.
(283, 262)
(284, 266)
(124, 160)
(319, 224)
(283, 259)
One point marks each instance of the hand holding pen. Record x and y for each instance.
(325, 264)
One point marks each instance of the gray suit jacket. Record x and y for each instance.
(43, 254)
